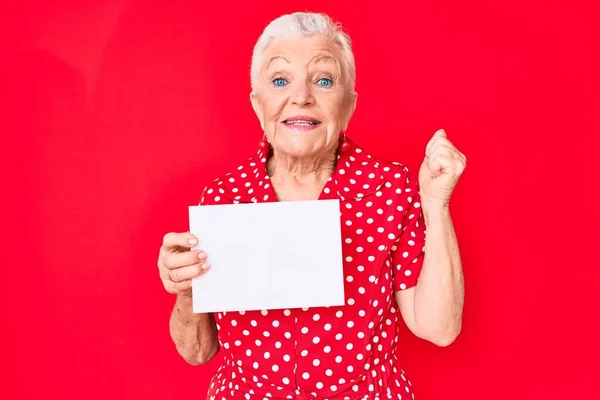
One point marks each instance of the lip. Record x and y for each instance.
(305, 118)
(302, 118)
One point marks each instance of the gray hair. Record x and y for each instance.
(303, 24)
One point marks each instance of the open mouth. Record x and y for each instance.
(302, 121)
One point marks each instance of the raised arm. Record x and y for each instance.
(433, 308)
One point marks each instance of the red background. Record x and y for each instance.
(115, 114)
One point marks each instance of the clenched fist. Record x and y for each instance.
(441, 169)
(177, 264)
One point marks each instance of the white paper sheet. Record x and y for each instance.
(268, 256)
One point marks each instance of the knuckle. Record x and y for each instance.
(175, 275)
(167, 262)
(163, 273)
(162, 258)
(443, 149)
(168, 237)
(168, 286)
(184, 285)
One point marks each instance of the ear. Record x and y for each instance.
(351, 106)
(257, 106)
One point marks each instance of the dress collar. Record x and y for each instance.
(357, 175)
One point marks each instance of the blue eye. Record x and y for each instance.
(325, 82)
(279, 82)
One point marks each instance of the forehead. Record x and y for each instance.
(301, 51)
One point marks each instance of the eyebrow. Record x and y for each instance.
(338, 67)
(314, 60)
(275, 58)
(323, 57)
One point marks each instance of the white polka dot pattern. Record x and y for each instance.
(330, 352)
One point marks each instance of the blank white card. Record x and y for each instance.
(268, 256)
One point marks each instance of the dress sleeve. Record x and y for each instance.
(211, 195)
(204, 196)
(408, 251)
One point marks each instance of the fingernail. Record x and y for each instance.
(202, 255)
(205, 266)
(192, 242)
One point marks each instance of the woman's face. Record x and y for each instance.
(302, 97)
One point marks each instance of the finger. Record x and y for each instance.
(441, 164)
(440, 133)
(173, 241)
(459, 159)
(443, 141)
(429, 146)
(178, 260)
(445, 148)
(442, 146)
(434, 167)
(177, 287)
(189, 272)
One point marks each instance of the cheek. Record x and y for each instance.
(335, 106)
(273, 106)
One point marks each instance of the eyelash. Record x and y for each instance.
(327, 79)
(273, 81)
(278, 79)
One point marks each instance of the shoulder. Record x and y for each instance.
(361, 174)
(213, 192)
(394, 172)
(398, 189)
(402, 178)
(241, 184)
(400, 185)
(222, 189)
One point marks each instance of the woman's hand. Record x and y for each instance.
(439, 173)
(177, 264)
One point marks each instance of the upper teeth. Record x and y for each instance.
(301, 122)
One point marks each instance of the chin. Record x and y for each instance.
(307, 143)
(297, 149)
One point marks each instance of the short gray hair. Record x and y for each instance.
(302, 24)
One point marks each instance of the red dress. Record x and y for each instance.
(345, 352)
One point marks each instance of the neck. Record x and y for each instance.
(284, 166)
(300, 178)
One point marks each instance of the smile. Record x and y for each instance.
(301, 122)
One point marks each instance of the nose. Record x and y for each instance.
(302, 94)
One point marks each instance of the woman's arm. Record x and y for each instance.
(433, 308)
(194, 335)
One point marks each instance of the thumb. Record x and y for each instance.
(435, 167)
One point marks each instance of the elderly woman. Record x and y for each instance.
(303, 94)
